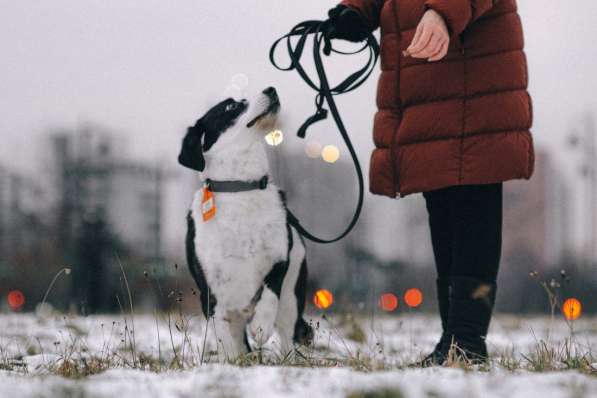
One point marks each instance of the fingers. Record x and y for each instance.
(438, 44)
(441, 53)
(415, 39)
(434, 44)
(420, 41)
(431, 39)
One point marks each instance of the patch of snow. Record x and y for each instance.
(265, 382)
(33, 343)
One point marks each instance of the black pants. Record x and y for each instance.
(466, 230)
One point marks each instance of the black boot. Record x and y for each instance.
(438, 356)
(471, 305)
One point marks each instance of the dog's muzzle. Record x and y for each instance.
(273, 107)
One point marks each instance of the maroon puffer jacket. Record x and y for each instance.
(462, 120)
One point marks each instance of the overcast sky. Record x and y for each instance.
(148, 68)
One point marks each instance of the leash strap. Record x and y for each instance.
(236, 186)
(325, 93)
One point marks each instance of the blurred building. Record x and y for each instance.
(22, 208)
(25, 233)
(108, 207)
(537, 216)
(582, 140)
(96, 179)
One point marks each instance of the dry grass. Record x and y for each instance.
(72, 358)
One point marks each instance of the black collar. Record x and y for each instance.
(237, 186)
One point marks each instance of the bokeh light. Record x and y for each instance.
(572, 309)
(388, 302)
(413, 297)
(240, 80)
(323, 299)
(16, 300)
(234, 92)
(330, 153)
(237, 88)
(313, 149)
(274, 137)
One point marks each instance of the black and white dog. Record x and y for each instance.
(248, 262)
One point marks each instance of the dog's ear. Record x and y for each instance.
(191, 154)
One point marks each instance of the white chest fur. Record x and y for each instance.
(240, 245)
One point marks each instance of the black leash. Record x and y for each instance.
(326, 93)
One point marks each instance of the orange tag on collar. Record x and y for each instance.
(208, 205)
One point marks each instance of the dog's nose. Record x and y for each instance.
(270, 92)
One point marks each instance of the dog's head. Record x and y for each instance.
(229, 123)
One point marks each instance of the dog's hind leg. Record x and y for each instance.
(208, 300)
(290, 324)
(303, 332)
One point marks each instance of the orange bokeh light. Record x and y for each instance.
(388, 302)
(323, 299)
(413, 297)
(572, 308)
(16, 300)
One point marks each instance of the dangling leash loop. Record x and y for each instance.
(325, 93)
(320, 115)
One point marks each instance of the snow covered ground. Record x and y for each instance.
(157, 356)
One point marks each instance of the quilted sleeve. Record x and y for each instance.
(370, 9)
(458, 14)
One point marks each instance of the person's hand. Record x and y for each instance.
(431, 39)
(347, 24)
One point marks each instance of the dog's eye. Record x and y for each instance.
(231, 107)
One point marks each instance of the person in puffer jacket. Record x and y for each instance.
(453, 123)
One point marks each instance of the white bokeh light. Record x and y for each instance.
(240, 80)
(313, 149)
(234, 92)
(274, 137)
(237, 87)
